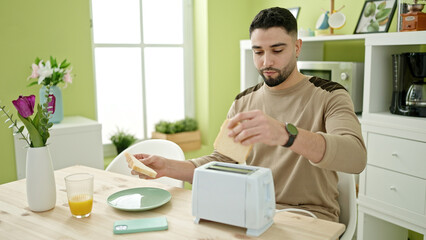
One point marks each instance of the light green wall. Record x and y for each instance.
(218, 31)
(42, 28)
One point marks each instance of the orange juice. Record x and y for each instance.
(80, 204)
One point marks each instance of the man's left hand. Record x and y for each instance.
(257, 127)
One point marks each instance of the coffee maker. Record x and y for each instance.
(409, 87)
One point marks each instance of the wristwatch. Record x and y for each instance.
(292, 134)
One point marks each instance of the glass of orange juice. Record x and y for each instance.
(80, 194)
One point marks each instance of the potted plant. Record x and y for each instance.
(122, 140)
(184, 133)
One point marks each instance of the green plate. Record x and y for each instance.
(139, 199)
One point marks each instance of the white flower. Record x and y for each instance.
(44, 71)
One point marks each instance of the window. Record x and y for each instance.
(143, 63)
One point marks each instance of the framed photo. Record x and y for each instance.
(376, 16)
(295, 11)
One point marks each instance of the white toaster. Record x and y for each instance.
(238, 195)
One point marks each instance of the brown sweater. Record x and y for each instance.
(316, 105)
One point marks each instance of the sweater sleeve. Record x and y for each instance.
(345, 148)
(215, 156)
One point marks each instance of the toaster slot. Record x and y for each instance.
(240, 170)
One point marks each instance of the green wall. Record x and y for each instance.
(42, 28)
(217, 34)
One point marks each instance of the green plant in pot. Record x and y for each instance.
(122, 140)
(183, 132)
(184, 125)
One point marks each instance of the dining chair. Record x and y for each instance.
(160, 147)
(347, 202)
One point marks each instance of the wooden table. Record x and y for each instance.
(18, 222)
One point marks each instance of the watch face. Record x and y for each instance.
(291, 129)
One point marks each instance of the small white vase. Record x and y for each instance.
(41, 187)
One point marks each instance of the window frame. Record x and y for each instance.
(188, 58)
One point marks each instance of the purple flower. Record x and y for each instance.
(52, 103)
(25, 105)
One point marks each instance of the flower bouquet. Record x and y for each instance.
(49, 74)
(37, 127)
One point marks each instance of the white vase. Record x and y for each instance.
(41, 187)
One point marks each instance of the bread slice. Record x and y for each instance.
(136, 165)
(226, 145)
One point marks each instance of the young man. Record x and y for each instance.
(303, 128)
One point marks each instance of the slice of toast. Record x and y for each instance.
(136, 165)
(226, 145)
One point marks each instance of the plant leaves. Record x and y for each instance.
(43, 121)
(54, 75)
(65, 64)
(32, 84)
(36, 139)
(21, 129)
(53, 63)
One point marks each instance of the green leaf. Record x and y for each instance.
(53, 62)
(32, 84)
(54, 75)
(20, 129)
(36, 120)
(44, 121)
(36, 139)
(65, 65)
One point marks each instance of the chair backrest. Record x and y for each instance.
(160, 147)
(347, 202)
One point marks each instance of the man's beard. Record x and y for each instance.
(282, 75)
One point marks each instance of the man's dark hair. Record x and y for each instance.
(275, 17)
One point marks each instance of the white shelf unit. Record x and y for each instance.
(382, 214)
(74, 141)
(392, 193)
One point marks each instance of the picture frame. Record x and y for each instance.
(295, 11)
(376, 16)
